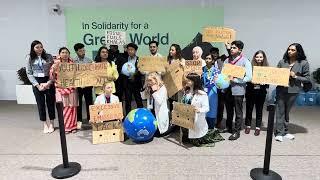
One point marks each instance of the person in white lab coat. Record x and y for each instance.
(157, 98)
(194, 95)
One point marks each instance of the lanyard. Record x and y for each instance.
(40, 65)
(235, 60)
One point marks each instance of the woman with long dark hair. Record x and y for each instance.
(294, 59)
(67, 96)
(112, 72)
(38, 68)
(256, 95)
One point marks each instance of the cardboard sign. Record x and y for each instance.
(270, 75)
(107, 136)
(173, 78)
(193, 66)
(82, 75)
(233, 70)
(105, 112)
(115, 38)
(116, 124)
(183, 115)
(152, 64)
(218, 34)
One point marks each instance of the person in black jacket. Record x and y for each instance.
(256, 95)
(132, 85)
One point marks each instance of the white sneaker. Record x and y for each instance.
(289, 136)
(45, 128)
(79, 125)
(51, 128)
(279, 138)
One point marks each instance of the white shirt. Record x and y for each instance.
(200, 101)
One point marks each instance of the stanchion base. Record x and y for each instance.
(257, 174)
(60, 172)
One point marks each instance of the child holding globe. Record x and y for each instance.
(157, 97)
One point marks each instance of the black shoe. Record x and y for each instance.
(234, 136)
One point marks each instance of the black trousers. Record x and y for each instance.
(87, 93)
(43, 98)
(221, 102)
(119, 88)
(254, 99)
(132, 88)
(284, 103)
(234, 104)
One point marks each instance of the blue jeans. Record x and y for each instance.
(211, 122)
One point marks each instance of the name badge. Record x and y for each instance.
(40, 74)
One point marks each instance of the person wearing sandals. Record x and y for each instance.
(256, 95)
(38, 68)
(67, 96)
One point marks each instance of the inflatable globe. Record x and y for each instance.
(222, 81)
(140, 125)
(128, 69)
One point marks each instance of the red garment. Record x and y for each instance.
(68, 96)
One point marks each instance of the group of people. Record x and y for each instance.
(199, 90)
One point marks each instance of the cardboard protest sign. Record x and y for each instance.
(115, 38)
(233, 70)
(152, 64)
(270, 75)
(218, 34)
(82, 75)
(105, 112)
(183, 115)
(193, 66)
(107, 136)
(173, 78)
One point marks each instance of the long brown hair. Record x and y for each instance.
(265, 60)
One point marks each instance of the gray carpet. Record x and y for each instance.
(27, 153)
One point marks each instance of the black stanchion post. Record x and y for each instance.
(265, 173)
(66, 169)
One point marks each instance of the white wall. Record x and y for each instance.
(268, 25)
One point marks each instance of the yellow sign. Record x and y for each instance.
(173, 78)
(183, 115)
(82, 75)
(106, 112)
(193, 66)
(218, 34)
(233, 70)
(152, 64)
(270, 75)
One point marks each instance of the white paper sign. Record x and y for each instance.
(115, 38)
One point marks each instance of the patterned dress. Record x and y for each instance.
(67, 96)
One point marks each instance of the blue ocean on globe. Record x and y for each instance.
(140, 125)
(128, 69)
(222, 81)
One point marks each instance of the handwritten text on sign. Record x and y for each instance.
(115, 38)
(233, 70)
(82, 75)
(218, 34)
(193, 66)
(173, 78)
(152, 64)
(183, 115)
(105, 112)
(270, 75)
